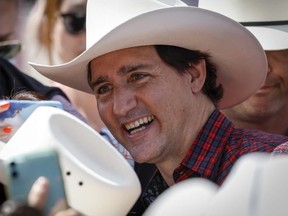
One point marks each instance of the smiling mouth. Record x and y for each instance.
(139, 124)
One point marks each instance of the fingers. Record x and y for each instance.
(38, 193)
(14, 208)
(37, 197)
(4, 105)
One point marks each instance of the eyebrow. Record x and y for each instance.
(130, 68)
(122, 71)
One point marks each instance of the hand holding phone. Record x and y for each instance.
(23, 170)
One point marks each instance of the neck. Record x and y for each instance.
(166, 169)
(167, 165)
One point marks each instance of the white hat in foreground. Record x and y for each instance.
(113, 25)
(266, 19)
(186, 198)
(256, 185)
(109, 184)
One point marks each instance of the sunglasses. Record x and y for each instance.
(74, 23)
(9, 49)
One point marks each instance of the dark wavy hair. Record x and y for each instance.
(181, 59)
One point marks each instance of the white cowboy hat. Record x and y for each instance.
(186, 198)
(110, 185)
(256, 185)
(114, 25)
(266, 19)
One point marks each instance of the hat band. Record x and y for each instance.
(266, 23)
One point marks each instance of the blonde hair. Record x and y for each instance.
(41, 23)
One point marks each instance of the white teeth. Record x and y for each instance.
(137, 130)
(137, 123)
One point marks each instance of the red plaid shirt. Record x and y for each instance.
(213, 153)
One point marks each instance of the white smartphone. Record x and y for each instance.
(23, 170)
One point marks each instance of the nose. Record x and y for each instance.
(124, 100)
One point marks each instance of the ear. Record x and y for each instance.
(198, 75)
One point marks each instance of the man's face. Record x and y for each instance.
(8, 19)
(145, 103)
(272, 97)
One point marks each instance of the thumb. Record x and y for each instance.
(38, 193)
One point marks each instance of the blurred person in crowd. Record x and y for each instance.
(12, 21)
(267, 109)
(59, 27)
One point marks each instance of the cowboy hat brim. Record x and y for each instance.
(240, 59)
(270, 37)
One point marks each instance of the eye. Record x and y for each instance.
(137, 76)
(104, 89)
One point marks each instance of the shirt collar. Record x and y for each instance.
(204, 155)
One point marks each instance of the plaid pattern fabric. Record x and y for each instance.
(214, 152)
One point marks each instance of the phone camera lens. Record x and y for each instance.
(14, 174)
(13, 164)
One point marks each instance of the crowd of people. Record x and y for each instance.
(180, 91)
